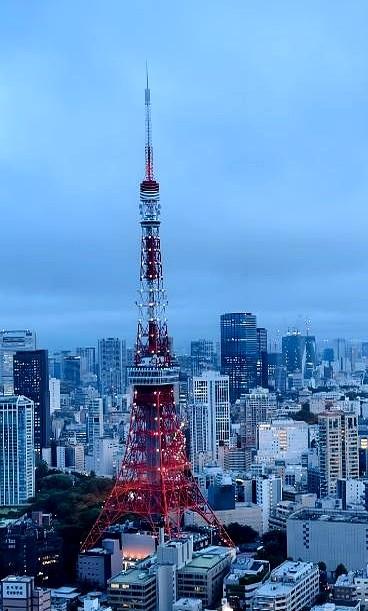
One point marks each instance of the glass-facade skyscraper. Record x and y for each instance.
(203, 356)
(31, 379)
(262, 358)
(239, 352)
(111, 365)
(17, 473)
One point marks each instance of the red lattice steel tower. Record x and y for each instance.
(155, 482)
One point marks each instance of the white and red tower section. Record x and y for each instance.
(155, 482)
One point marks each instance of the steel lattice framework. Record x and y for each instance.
(155, 482)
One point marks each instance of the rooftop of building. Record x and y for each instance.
(322, 515)
(291, 571)
(177, 542)
(203, 561)
(15, 400)
(337, 606)
(67, 592)
(246, 571)
(274, 588)
(187, 603)
(136, 576)
(345, 580)
(18, 579)
(96, 551)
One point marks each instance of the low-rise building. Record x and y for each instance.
(20, 594)
(333, 537)
(203, 576)
(63, 598)
(337, 606)
(188, 604)
(97, 565)
(344, 588)
(280, 514)
(135, 588)
(244, 579)
(361, 583)
(293, 586)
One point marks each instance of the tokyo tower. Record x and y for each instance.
(155, 482)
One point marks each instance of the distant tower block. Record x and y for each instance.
(155, 481)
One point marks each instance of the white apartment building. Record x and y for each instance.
(95, 424)
(293, 586)
(210, 415)
(338, 449)
(282, 439)
(268, 494)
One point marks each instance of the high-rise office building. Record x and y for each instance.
(54, 389)
(239, 352)
(203, 356)
(71, 375)
(110, 365)
(299, 354)
(17, 473)
(310, 356)
(210, 414)
(31, 379)
(262, 358)
(338, 449)
(293, 352)
(10, 342)
(88, 363)
(256, 408)
(276, 372)
(95, 428)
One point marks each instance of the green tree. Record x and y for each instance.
(305, 415)
(274, 548)
(241, 534)
(340, 570)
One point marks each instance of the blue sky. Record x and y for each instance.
(261, 148)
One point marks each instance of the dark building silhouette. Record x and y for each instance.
(71, 373)
(31, 379)
(310, 356)
(293, 352)
(31, 547)
(276, 372)
(239, 352)
(299, 354)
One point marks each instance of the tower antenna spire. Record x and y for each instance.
(148, 145)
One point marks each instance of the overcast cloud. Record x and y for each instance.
(261, 148)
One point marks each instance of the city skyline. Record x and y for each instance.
(278, 118)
